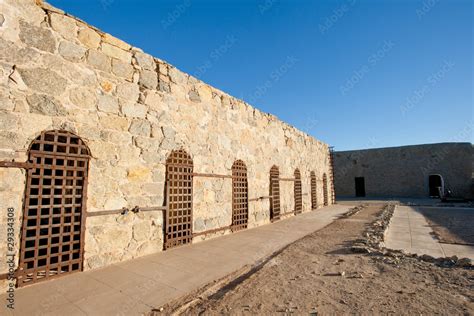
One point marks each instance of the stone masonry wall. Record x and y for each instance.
(132, 110)
(404, 171)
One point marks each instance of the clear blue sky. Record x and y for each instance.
(354, 73)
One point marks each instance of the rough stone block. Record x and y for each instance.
(108, 104)
(89, 37)
(148, 79)
(64, 25)
(71, 51)
(116, 52)
(122, 69)
(145, 61)
(98, 60)
(112, 40)
(140, 127)
(43, 104)
(37, 37)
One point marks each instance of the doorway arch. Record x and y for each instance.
(274, 194)
(240, 199)
(436, 185)
(325, 189)
(179, 195)
(298, 193)
(54, 212)
(314, 195)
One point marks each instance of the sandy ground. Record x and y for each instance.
(452, 226)
(319, 275)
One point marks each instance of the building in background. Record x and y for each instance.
(431, 170)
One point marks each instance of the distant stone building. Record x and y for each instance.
(108, 154)
(407, 171)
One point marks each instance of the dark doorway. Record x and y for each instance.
(435, 185)
(360, 186)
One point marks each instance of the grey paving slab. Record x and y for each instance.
(136, 286)
(409, 230)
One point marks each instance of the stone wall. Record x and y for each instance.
(131, 109)
(404, 171)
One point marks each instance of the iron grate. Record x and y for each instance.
(274, 193)
(240, 199)
(298, 193)
(52, 235)
(179, 186)
(325, 189)
(314, 196)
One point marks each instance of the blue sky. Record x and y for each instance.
(354, 73)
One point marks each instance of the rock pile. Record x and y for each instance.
(373, 245)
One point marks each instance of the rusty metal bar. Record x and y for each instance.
(212, 175)
(15, 164)
(211, 231)
(260, 198)
(108, 212)
(125, 210)
(152, 208)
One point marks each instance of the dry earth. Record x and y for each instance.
(319, 274)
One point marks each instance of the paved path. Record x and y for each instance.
(138, 285)
(409, 230)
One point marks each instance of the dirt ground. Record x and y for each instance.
(319, 275)
(452, 226)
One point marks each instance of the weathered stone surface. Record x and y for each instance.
(112, 40)
(139, 173)
(129, 91)
(84, 98)
(71, 51)
(145, 61)
(64, 25)
(43, 80)
(194, 96)
(99, 60)
(148, 79)
(89, 37)
(108, 104)
(116, 52)
(140, 127)
(134, 110)
(115, 123)
(42, 104)
(177, 76)
(122, 69)
(37, 37)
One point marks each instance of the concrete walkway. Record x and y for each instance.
(137, 286)
(409, 230)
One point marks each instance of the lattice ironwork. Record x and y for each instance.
(52, 235)
(314, 194)
(275, 194)
(179, 189)
(325, 189)
(240, 199)
(298, 193)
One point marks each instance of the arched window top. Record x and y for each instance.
(179, 157)
(274, 169)
(297, 173)
(239, 165)
(60, 142)
(313, 174)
